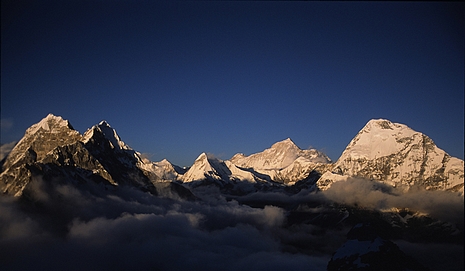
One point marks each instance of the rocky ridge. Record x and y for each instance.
(54, 151)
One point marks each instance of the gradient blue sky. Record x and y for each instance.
(179, 78)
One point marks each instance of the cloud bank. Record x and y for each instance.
(446, 206)
(61, 225)
(87, 229)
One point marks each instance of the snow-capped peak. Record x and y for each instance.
(49, 123)
(206, 167)
(42, 137)
(237, 156)
(203, 156)
(104, 123)
(199, 169)
(396, 155)
(382, 124)
(379, 137)
(286, 143)
(279, 156)
(164, 162)
(109, 133)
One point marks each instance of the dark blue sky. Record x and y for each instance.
(179, 78)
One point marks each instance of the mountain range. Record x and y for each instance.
(392, 194)
(382, 151)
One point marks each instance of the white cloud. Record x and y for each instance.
(129, 229)
(443, 205)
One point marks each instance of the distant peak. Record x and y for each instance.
(104, 123)
(238, 155)
(49, 123)
(108, 132)
(207, 157)
(381, 123)
(379, 138)
(285, 142)
(51, 117)
(202, 156)
(378, 120)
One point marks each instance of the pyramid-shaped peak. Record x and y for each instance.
(284, 143)
(50, 118)
(42, 137)
(105, 127)
(49, 123)
(108, 132)
(202, 156)
(379, 138)
(288, 140)
(104, 123)
(164, 162)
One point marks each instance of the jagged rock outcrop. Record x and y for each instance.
(76, 158)
(52, 150)
(394, 154)
(119, 159)
(38, 140)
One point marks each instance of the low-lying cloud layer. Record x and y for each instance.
(85, 227)
(446, 206)
(74, 229)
